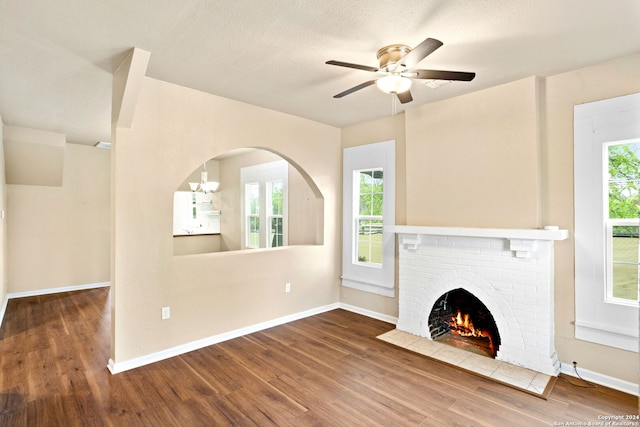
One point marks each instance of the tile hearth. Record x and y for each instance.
(524, 379)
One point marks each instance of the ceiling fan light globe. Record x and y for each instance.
(393, 83)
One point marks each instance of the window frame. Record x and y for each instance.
(249, 215)
(358, 217)
(597, 125)
(262, 175)
(270, 215)
(368, 277)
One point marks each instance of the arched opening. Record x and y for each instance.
(262, 200)
(461, 320)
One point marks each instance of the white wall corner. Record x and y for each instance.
(369, 313)
(127, 82)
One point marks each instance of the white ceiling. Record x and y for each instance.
(57, 56)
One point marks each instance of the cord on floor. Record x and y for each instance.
(586, 384)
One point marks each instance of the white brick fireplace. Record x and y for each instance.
(509, 270)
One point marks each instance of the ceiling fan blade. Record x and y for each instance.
(404, 97)
(441, 75)
(418, 53)
(350, 65)
(355, 88)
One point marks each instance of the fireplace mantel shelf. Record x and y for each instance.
(522, 241)
(548, 233)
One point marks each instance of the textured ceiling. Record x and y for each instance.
(57, 56)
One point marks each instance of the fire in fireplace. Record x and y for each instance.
(460, 319)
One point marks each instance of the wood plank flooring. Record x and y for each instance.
(326, 370)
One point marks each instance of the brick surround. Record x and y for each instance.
(510, 271)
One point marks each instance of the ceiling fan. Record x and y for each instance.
(396, 67)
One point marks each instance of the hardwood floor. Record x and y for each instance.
(326, 370)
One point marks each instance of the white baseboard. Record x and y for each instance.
(58, 290)
(13, 295)
(3, 309)
(117, 367)
(369, 313)
(604, 380)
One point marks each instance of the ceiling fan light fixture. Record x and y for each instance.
(393, 83)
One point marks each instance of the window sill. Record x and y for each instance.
(374, 288)
(196, 234)
(624, 339)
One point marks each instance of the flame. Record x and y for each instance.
(462, 325)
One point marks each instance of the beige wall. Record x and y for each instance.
(607, 80)
(173, 129)
(59, 236)
(34, 157)
(472, 160)
(503, 157)
(196, 244)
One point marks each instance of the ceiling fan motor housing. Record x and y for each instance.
(390, 55)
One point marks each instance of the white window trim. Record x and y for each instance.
(369, 278)
(598, 124)
(262, 174)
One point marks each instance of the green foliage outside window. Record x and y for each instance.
(624, 203)
(369, 223)
(624, 181)
(277, 189)
(371, 186)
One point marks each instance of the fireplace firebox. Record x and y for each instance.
(461, 320)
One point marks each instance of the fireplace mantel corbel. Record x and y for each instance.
(523, 248)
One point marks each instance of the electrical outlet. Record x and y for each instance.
(287, 287)
(166, 313)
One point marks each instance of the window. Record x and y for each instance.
(623, 169)
(370, 185)
(606, 140)
(252, 202)
(368, 261)
(264, 206)
(275, 191)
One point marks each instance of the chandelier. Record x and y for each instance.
(204, 186)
